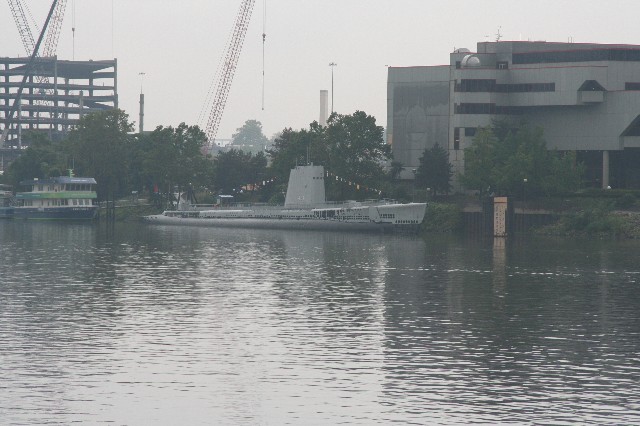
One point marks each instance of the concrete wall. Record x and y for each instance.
(418, 112)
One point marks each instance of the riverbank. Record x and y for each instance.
(129, 211)
(604, 217)
(577, 218)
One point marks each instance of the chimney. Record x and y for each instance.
(141, 113)
(324, 107)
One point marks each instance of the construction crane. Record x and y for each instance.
(50, 43)
(227, 71)
(25, 30)
(29, 67)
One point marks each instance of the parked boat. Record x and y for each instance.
(305, 207)
(6, 202)
(64, 197)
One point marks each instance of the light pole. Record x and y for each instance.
(332, 65)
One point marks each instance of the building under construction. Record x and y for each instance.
(56, 95)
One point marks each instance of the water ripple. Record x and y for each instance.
(192, 326)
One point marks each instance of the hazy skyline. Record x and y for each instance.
(179, 44)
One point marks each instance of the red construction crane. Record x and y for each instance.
(228, 69)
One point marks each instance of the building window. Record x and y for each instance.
(591, 86)
(487, 108)
(586, 55)
(470, 132)
(632, 86)
(488, 85)
(502, 65)
(456, 138)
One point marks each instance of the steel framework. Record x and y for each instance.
(228, 68)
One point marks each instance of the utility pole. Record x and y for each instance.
(332, 65)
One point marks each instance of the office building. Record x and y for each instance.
(586, 98)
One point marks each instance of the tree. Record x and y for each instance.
(42, 159)
(234, 169)
(250, 135)
(435, 171)
(172, 157)
(504, 154)
(98, 148)
(294, 147)
(350, 146)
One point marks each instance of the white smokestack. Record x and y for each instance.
(324, 107)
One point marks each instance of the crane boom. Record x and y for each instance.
(50, 42)
(25, 30)
(23, 25)
(32, 58)
(53, 32)
(229, 65)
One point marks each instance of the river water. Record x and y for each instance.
(167, 325)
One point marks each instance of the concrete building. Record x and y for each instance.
(586, 97)
(56, 95)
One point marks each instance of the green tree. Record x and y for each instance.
(435, 171)
(357, 149)
(350, 146)
(504, 154)
(98, 147)
(234, 169)
(42, 159)
(250, 135)
(294, 147)
(172, 157)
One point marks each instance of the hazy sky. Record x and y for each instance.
(179, 44)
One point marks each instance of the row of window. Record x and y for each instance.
(69, 187)
(501, 65)
(488, 108)
(489, 85)
(56, 203)
(628, 55)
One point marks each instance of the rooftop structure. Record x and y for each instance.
(586, 97)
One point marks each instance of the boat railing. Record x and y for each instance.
(267, 206)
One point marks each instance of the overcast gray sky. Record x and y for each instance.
(179, 44)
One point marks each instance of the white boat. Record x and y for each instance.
(61, 198)
(305, 207)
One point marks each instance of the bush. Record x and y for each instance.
(441, 217)
(626, 201)
(592, 222)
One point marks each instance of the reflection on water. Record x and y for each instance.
(167, 325)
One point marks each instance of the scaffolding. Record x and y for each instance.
(57, 94)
